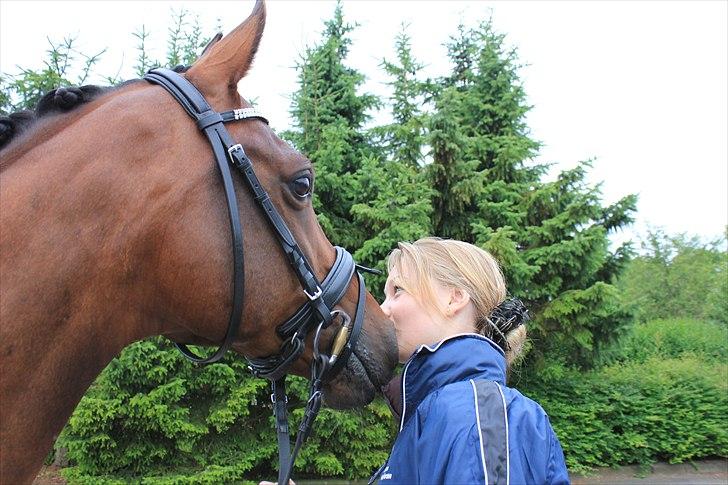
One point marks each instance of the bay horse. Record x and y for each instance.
(113, 228)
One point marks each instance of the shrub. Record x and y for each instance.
(637, 412)
(672, 339)
(153, 417)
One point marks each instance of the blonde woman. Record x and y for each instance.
(457, 334)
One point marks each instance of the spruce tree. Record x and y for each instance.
(404, 139)
(368, 192)
(395, 206)
(328, 116)
(395, 199)
(552, 238)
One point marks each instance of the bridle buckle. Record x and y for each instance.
(315, 295)
(230, 151)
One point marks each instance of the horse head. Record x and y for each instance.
(115, 228)
(273, 292)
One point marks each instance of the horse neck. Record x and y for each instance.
(74, 249)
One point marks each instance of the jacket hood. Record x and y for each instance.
(455, 359)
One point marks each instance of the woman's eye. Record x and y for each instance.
(397, 289)
(302, 186)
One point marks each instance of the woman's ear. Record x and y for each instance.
(459, 299)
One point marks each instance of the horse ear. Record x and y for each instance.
(226, 61)
(212, 42)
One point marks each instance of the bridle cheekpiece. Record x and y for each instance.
(317, 313)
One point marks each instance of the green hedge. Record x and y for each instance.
(659, 409)
(663, 397)
(673, 338)
(152, 417)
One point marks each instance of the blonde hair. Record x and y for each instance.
(457, 264)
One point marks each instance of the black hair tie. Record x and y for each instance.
(510, 314)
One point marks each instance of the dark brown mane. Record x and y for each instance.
(59, 101)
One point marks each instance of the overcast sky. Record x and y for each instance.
(641, 87)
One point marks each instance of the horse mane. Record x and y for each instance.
(58, 101)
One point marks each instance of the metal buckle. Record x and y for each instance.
(316, 295)
(316, 395)
(230, 150)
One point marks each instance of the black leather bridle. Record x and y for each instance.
(317, 313)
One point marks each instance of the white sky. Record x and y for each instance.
(639, 86)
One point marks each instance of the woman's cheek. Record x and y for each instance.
(395, 324)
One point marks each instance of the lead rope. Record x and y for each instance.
(280, 413)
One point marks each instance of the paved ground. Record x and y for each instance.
(705, 472)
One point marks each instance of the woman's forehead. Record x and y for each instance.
(392, 276)
(399, 275)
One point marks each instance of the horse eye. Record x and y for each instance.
(302, 186)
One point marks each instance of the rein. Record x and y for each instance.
(317, 313)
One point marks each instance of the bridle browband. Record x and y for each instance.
(316, 313)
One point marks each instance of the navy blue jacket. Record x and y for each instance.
(460, 424)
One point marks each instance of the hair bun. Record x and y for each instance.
(510, 314)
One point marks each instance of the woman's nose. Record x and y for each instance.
(385, 308)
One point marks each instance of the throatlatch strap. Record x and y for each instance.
(195, 105)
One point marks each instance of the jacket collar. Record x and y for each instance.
(455, 359)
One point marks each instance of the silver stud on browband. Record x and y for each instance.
(242, 113)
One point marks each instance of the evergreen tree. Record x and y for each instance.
(395, 200)
(65, 65)
(479, 135)
(329, 116)
(551, 237)
(61, 68)
(367, 197)
(404, 137)
(395, 206)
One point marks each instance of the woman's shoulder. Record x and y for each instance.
(459, 399)
(450, 403)
(454, 403)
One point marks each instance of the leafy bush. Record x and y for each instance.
(670, 402)
(674, 410)
(672, 339)
(678, 276)
(153, 417)
(665, 398)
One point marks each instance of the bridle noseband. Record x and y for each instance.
(316, 313)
